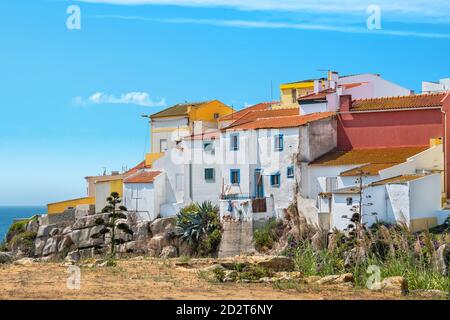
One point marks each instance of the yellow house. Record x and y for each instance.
(169, 126)
(98, 187)
(290, 92)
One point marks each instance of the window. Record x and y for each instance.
(179, 182)
(278, 142)
(331, 184)
(216, 116)
(235, 176)
(234, 143)
(349, 201)
(294, 95)
(275, 180)
(208, 147)
(290, 172)
(209, 174)
(163, 145)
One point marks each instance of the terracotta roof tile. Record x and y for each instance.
(180, 109)
(142, 177)
(283, 122)
(352, 85)
(371, 169)
(141, 165)
(208, 135)
(402, 102)
(237, 115)
(259, 114)
(316, 96)
(398, 179)
(368, 156)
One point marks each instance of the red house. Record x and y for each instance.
(405, 121)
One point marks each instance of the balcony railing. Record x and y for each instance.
(258, 204)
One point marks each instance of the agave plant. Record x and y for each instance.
(199, 226)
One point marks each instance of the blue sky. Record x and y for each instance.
(71, 100)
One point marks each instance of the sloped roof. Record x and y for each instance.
(259, 114)
(316, 96)
(398, 179)
(142, 177)
(283, 122)
(180, 109)
(141, 165)
(367, 156)
(371, 169)
(237, 115)
(352, 85)
(400, 102)
(208, 135)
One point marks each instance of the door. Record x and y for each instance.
(259, 192)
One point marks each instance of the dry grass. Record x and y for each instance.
(152, 279)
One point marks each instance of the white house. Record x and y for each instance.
(413, 200)
(144, 193)
(442, 85)
(259, 162)
(362, 86)
(339, 170)
(202, 167)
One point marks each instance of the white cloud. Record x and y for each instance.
(282, 25)
(137, 98)
(427, 8)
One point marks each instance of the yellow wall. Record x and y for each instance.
(206, 112)
(297, 85)
(152, 157)
(116, 186)
(59, 207)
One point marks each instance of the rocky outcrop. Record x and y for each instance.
(395, 285)
(5, 257)
(169, 252)
(81, 239)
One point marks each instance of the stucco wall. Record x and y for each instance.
(398, 208)
(102, 191)
(388, 129)
(425, 196)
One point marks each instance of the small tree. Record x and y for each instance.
(110, 224)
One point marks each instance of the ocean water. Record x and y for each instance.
(8, 214)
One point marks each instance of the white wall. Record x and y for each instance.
(197, 189)
(378, 87)
(102, 191)
(150, 197)
(172, 163)
(308, 108)
(398, 207)
(145, 205)
(425, 196)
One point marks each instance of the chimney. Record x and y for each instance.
(317, 86)
(345, 102)
(334, 76)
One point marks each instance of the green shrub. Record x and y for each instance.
(16, 228)
(3, 247)
(395, 250)
(23, 241)
(219, 274)
(199, 225)
(266, 236)
(255, 273)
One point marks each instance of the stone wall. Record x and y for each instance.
(72, 236)
(237, 238)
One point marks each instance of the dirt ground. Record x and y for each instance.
(151, 279)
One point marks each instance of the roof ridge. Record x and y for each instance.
(401, 97)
